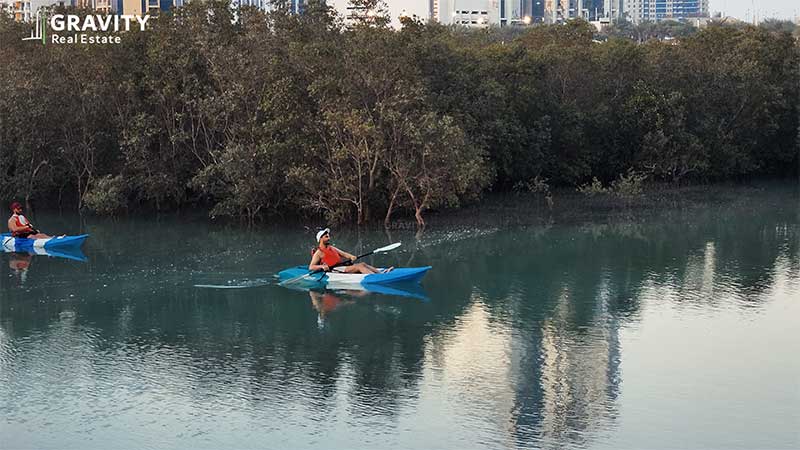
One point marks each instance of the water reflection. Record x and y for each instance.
(327, 302)
(19, 262)
(520, 346)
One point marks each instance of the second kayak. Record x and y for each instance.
(26, 245)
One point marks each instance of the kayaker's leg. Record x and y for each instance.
(371, 269)
(360, 268)
(39, 236)
(376, 270)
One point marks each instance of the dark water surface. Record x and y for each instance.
(675, 329)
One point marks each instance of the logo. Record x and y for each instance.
(39, 29)
(91, 29)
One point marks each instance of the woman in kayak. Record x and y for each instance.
(326, 256)
(20, 226)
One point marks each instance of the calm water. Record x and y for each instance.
(675, 329)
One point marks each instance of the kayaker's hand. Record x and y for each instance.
(326, 268)
(353, 258)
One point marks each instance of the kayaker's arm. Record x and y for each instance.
(344, 254)
(315, 262)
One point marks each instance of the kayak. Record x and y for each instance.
(29, 245)
(402, 274)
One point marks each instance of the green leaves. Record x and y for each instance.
(251, 114)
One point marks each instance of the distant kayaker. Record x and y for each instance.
(20, 226)
(326, 256)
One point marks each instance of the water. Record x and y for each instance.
(668, 329)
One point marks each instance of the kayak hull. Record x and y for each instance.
(30, 245)
(399, 275)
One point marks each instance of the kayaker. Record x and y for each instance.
(326, 256)
(20, 226)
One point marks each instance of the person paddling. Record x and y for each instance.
(20, 226)
(326, 256)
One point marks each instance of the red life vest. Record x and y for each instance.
(330, 256)
(20, 220)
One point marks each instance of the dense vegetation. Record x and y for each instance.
(275, 113)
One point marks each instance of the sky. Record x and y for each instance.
(764, 9)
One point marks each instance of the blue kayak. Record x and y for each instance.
(29, 245)
(343, 280)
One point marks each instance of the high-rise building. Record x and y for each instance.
(20, 10)
(656, 10)
(473, 13)
(25, 10)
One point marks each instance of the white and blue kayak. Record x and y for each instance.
(343, 280)
(14, 244)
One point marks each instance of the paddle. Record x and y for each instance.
(341, 263)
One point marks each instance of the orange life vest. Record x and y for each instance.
(20, 220)
(330, 256)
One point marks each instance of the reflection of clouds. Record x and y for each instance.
(700, 270)
(473, 361)
(7, 352)
(579, 374)
(543, 387)
(786, 278)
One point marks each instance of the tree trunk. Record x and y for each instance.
(388, 217)
(418, 215)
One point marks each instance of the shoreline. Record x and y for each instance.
(572, 207)
(506, 209)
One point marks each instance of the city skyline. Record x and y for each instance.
(745, 10)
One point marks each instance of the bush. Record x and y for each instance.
(106, 196)
(629, 185)
(593, 188)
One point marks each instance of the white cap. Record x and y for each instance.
(321, 233)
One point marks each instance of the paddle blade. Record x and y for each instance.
(293, 280)
(387, 248)
(298, 278)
